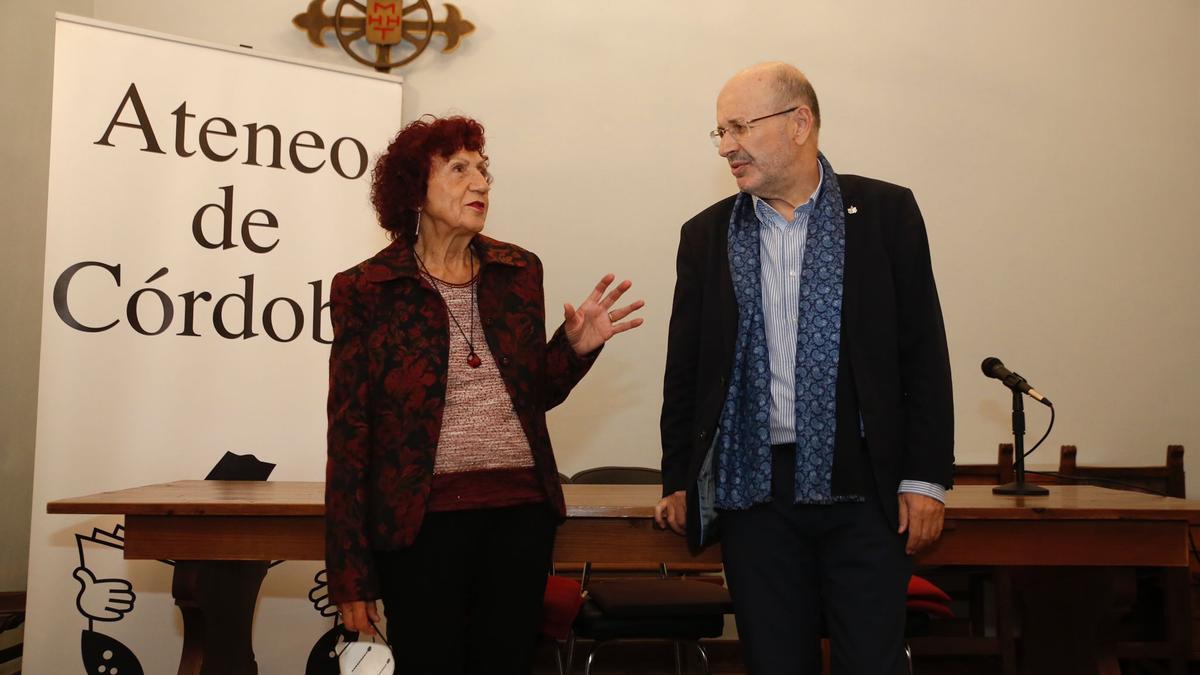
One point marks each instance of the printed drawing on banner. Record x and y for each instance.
(103, 599)
(106, 598)
(323, 659)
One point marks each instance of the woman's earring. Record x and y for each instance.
(417, 233)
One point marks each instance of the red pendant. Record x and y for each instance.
(473, 360)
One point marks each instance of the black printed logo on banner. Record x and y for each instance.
(105, 600)
(110, 599)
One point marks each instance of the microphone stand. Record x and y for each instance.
(1019, 486)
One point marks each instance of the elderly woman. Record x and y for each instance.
(442, 494)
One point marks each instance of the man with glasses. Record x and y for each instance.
(807, 416)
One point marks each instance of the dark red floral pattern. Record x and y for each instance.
(387, 386)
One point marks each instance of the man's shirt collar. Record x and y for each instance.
(767, 214)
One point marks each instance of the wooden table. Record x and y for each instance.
(1076, 526)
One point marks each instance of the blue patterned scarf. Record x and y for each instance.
(743, 445)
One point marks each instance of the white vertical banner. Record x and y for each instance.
(201, 198)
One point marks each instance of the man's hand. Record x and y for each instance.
(355, 615)
(922, 517)
(671, 512)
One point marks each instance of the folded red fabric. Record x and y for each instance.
(925, 589)
(564, 597)
(929, 607)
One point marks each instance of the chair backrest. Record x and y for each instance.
(563, 478)
(987, 474)
(618, 475)
(1167, 479)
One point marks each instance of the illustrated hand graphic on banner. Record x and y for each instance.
(106, 600)
(103, 599)
(319, 595)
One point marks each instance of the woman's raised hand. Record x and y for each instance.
(595, 321)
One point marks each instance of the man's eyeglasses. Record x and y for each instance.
(738, 128)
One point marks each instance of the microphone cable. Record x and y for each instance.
(1042, 439)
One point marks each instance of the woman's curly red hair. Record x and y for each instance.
(401, 176)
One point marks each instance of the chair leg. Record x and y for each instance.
(678, 658)
(704, 658)
(587, 668)
(570, 651)
(558, 657)
(1006, 613)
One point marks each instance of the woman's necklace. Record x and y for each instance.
(473, 359)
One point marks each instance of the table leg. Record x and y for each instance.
(1179, 618)
(1005, 614)
(217, 600)
(1067, 619)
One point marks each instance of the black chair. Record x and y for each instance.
(678, 609)
(988, 474)
(1167, 479)
(618, 475)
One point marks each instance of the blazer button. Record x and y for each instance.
(504, 360)
(703, 434)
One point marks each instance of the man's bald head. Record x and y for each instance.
(788, 84)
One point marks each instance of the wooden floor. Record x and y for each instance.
(655, 658)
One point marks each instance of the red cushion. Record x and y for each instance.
(564, 597)
(930, 607)
(924, 589)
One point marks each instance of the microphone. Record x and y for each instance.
(994, 367)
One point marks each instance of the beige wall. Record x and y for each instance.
(26, 64)
(1052, 146)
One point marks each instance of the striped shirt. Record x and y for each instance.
(781, 252)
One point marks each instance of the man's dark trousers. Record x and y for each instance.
(796, 571)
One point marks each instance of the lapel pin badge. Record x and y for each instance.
(852, 210)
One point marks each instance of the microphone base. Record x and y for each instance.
(1020, 488)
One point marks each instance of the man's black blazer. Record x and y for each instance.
(894, 367)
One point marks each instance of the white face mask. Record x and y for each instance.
(366, 658)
